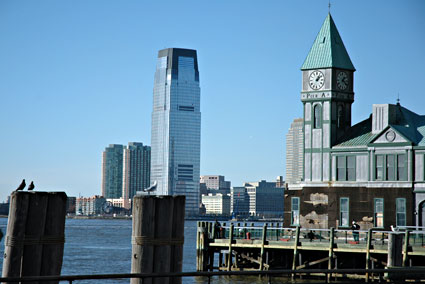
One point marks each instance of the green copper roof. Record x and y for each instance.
(328, 50)
(409, 124)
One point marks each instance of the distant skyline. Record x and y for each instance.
(76, 76)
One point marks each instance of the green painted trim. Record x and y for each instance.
(374, 212)
(399, 144)
(337, 150)
(292, 211)
(418, 147)
(318, 150)
(396, 212)
(348, 204)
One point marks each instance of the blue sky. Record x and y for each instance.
(77, 75)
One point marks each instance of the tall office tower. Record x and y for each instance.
(136, 170)
(112, 171)
(176, 126)
(294, 152)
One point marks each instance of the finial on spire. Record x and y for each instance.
(398, 98)
(329, 6)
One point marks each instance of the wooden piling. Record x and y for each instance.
(331, 251)
(177, 236)
(406, 247)
(368, 245)
(394, 250)
(143, 231)
(263, 242)
(229, 255)
(35, 234)
(157, 238)
(296, 241)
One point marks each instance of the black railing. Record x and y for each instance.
(395, 274)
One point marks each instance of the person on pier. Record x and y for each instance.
(355, 227)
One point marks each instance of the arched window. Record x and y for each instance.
(340, 120)
(317, 116)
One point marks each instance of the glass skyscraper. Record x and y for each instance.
(112, 171)
(176, 126)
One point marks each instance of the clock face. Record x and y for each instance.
(317, 79)
(342, 80)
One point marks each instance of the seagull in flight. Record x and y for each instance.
(21, 186)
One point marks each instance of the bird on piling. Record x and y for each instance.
(31, 186)
(151, 188)
(21, 186)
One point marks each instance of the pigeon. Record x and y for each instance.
(31, 186)
(21, 186)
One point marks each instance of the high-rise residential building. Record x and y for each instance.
(136, 170)
(112, 165)
(176, 126)
(294, 151)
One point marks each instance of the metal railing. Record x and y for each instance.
(388, 274)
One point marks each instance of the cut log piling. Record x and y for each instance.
(35, 234)
(157, 237)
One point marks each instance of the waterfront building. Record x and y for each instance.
(294, 151)
(70, 204)
(239, 202)
(265, 199)
(136, 171)
(176, 126)
(216, 204)
(280, 182)
(373, 171)
(89, 205)
(118, 202)
(112, 170)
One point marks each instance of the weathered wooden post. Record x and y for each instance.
(406, 247)
(263, 242)
(35, 234)
(157, 237)
(229, 256)
(394, 250)
(331, 251)
(368, 245)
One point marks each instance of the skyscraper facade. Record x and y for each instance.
(112, 167)
(176, 126)
(136, 170)
(294, 151)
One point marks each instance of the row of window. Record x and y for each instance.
(390, 167)
(344, 212)
(317, 116)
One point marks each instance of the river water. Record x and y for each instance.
(103, 246)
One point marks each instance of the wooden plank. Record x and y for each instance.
(229, 255)
(144, 227)
(331, 251)
(368, 245)
(36, 219)
(405, 248)
(177, 234)
(263, 242)
(54, 228)
(312, 263)
(15, 232)
(164, 207)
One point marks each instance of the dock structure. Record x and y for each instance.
(247, 246)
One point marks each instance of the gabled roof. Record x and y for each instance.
(409, 124)
(328, 50)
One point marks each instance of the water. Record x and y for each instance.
(103, 246)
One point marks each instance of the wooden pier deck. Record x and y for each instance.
(244, 246)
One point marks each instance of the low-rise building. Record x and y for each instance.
(216, 204)
(89, 205)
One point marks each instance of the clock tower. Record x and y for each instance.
(327, 94)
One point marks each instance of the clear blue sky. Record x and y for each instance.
(77, 75)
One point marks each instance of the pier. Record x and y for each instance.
(244, 246)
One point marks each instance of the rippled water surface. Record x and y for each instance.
(100, 246)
